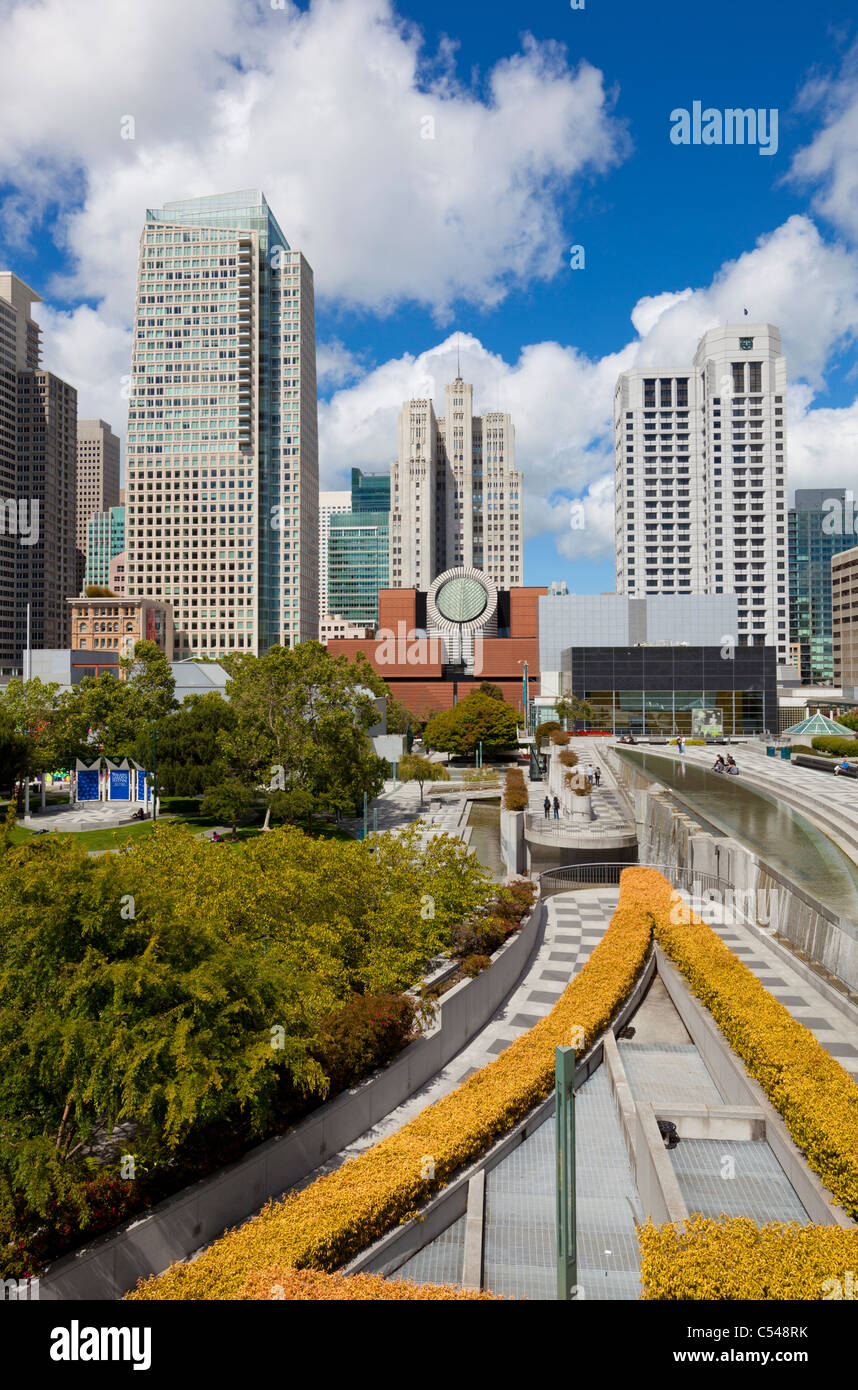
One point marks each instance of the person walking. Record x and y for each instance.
(557, 808)
(546, 806)
(680, 743)
(597, 774)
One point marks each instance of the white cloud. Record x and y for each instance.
(327, 110)
(830, 162)
(562, 402)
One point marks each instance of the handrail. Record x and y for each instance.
(596, 873)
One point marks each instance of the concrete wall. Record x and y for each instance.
(513, 847)
(670, 836)
(199, 1214)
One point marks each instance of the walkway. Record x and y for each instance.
(575, 923)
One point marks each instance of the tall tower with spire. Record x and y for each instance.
(455, 493)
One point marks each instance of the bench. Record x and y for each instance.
(824, 764)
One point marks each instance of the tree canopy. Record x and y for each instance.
(476, 719)
(146, 985)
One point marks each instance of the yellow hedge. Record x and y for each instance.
(334, 1218)
(311, 1285)
(811, 1090)
(734, 1259)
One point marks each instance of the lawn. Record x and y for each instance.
(113, 839)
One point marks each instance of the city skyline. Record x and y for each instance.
(582, 136)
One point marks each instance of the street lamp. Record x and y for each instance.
(154, 775)
(525, 695)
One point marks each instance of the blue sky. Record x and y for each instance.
(552, 129)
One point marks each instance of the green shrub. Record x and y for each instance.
(835, 743)
(811, 752)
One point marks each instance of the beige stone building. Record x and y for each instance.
(844, 620)
(455, 493)
(117, 624)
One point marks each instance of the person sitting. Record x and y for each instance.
(731, 765)
(720, 765)
(842, 767)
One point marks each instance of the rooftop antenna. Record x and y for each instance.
(458, 357)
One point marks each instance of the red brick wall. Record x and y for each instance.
(524, 612)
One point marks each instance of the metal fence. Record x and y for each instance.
(561, 826)
(571, 876)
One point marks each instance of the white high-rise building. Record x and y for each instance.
(222, 458)
(456, 497)
(330, 504)
(700, 472)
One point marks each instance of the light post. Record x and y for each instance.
(365, 825)
(564, 1139)
(154, 775)
(525, 695)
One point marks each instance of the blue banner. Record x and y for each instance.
(87, 784)
(120, 786)
(141, 785)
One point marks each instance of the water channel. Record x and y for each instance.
(786, 840)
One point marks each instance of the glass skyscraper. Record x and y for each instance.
(817, 531)
(104, 540)
(359, 550)
(222, 461)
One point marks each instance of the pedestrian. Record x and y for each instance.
(598, 776)
(680, 742)
(546, 806)
(557, 808)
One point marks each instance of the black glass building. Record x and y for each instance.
(696, 691)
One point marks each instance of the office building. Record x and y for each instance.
(110, 625)
(456, 497)
(817, 532)
(663, 691)
(38, 485)
(844, 618)
(105, 540)
(359, 550)
(222, 458)
(700, 471)
(97, 478)
(330, 504)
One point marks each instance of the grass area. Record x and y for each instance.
(107, 838)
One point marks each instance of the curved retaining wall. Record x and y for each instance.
(667, 835)
(183, 1223)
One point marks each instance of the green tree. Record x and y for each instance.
(32, 710)
(301, 723)
(545, 730)
(493, 691)
(149, 680)
(476, 719)
(177, 986)
(412, 768)
(190, 758)
(570, 708)
(14, 753)
(229, 801)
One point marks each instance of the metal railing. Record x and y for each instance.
(549, 826)
(571, 876)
